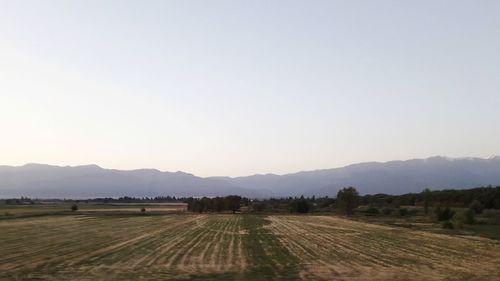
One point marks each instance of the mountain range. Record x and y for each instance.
(394, 177)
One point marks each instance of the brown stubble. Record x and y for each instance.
(342, 249)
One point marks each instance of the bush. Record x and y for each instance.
(412, 212)
(372, 211)
(143, 211)
(476, 206)
(386, 211)
(469, 216)
(443, 214)
(447, 225)
(74, 208)
(403, 212)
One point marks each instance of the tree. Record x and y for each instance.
(476, 206)
(386, 211)
(219, 204)
(347, 199)
(468, 216)
(444, 214)
(74, 208)
(373, 211)
(258, 206)
(233, 203)
(300, 205)
(403, 212)
(427, 194)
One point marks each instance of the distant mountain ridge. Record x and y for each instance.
(394, 177)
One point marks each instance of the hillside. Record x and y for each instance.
(395, 177)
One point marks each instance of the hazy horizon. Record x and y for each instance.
(238, 88)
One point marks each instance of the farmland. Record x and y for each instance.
(88, 246)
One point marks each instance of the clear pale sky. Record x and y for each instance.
(243, 87)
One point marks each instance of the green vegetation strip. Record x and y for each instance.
(267, 258)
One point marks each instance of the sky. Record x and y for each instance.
(242, 87)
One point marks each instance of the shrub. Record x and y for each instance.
(443, 214)
(74, 208)
(372, 211)
(396, 202)
(447, 225)
(403, 212)
(469, 216)
(386, 211)
(143, 211)
(476, 206)
(412, 212)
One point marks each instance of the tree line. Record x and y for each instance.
(489, 197)
(346, 201)
(230, 203)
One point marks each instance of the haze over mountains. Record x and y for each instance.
(395, 177)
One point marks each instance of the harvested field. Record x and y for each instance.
(156, 209)
(84, 247)
(43, 209)
(330, 247)
(235, 247)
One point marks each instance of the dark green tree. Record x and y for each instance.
(469, 216)
(233, 203)
(476, 206)
(372, 211)
(300, 205)
(444, 214)
(347, 199)
(427, 194)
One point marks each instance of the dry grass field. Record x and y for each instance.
(59, 208)
(329, 247)
(235, 247)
